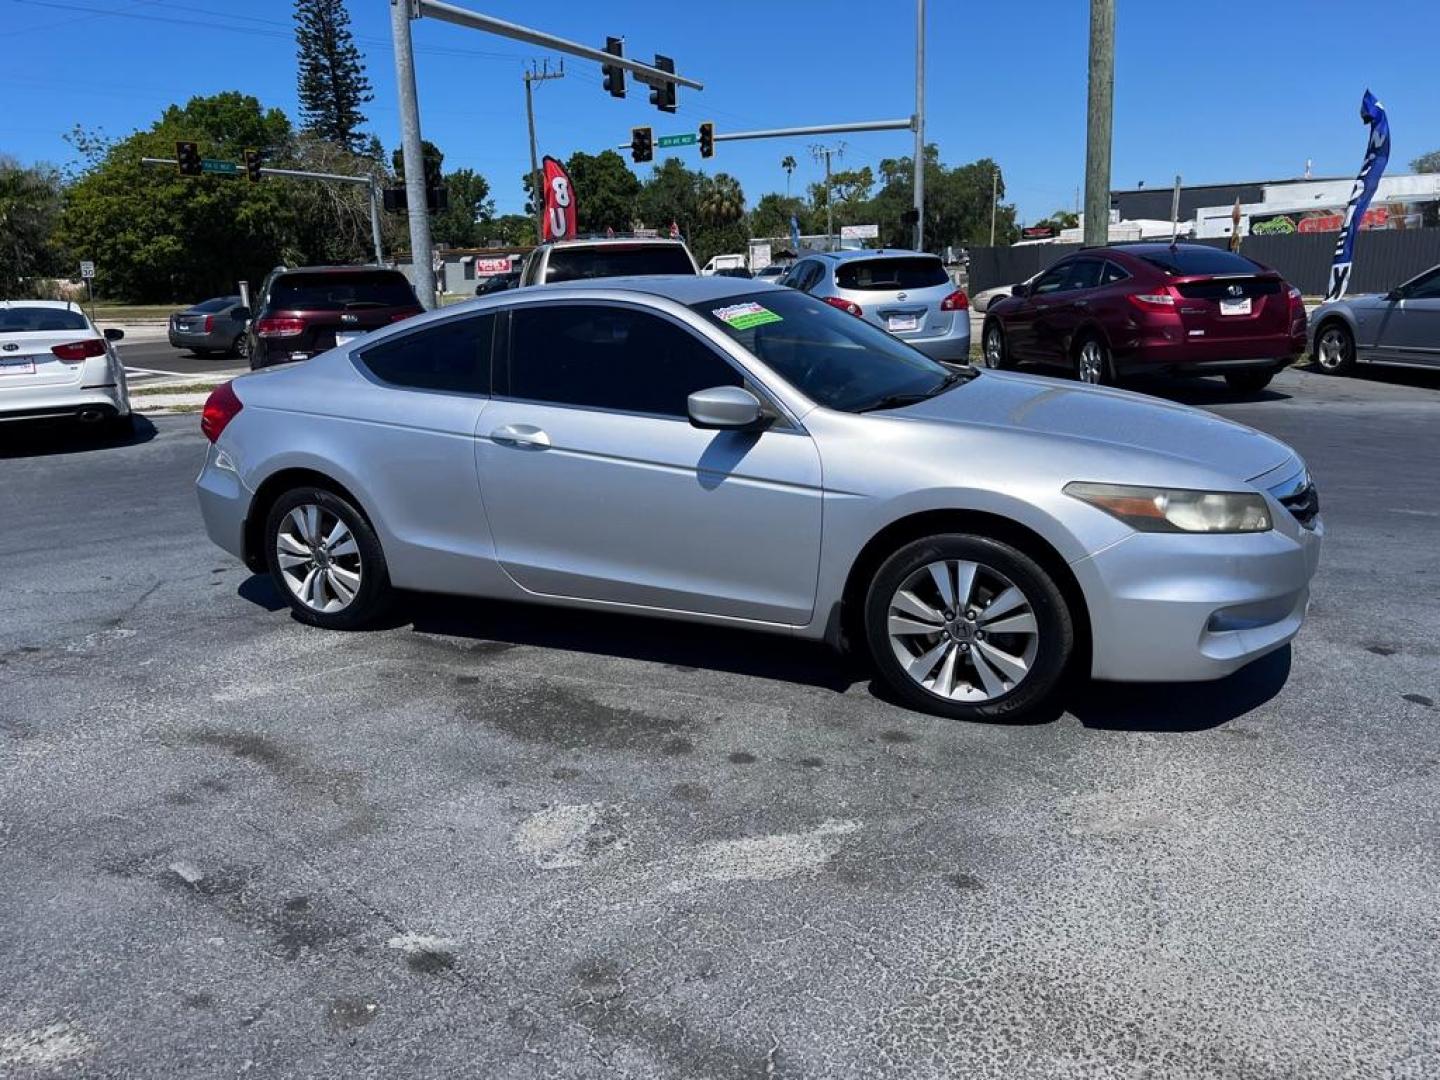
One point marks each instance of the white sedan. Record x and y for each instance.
(55, 364)
(982, 300)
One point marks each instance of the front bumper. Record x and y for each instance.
(1168, 607)
(224, 502)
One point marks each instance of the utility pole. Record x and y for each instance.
(822, 153)
(1098, 121)
(994, 199)
(1175, 212)
(414, 156)
(537, 185)
(919, 125)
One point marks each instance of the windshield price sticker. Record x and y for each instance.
(744, 316)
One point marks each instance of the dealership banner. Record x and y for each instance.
(1377, 156)
(559, 202)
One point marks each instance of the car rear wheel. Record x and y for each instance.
(240, 346)
(1092, 363)
(968, 628)
(1251, 381)
(994, 346)
(1335, 349)
(326, 560)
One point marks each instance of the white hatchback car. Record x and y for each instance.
(55, 364)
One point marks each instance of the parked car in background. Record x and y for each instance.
(1399, 327)
(1173, 309)
(634, 445)
(510, 279)
(305, 311)
(211, 327)
(578, 260)
(772, 273)
(908, 294)
(723, 262)
(734, 272)
(56, 364)
(982, 300)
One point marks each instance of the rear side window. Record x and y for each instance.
(452, 356)
(220, 303)
(1084, 274)
(599, 261)
(1111, 274)
(1184, 261)
(334, 292)
(602, 357)
(891, 274)
(21, 320)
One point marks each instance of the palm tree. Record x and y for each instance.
(788, 164)
(721, 201)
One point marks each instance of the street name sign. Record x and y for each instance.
(688, 139)
(222, 168)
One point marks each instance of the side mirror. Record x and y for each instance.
(241, 314)
(1394, 294)
(114, 333)
(1019, 290)
(726, 408)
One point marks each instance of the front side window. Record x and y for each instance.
(831, 357)
(1084, 274)
(1053, 280)
(451, 356)
(1425, 287)
(599, 356)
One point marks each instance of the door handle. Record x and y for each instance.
(525, 435)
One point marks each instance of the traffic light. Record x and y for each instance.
(187, 157)
(663, 96)
(642, 145)
(252, 166)
(614, 74)
(707, 139)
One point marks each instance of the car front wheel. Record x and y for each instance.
(326, 559)
(1335, 349)
(968, 628)
(994, 346)
(1092, 363)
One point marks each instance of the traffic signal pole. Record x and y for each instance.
(920, 125)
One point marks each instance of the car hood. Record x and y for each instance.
(1112, 418)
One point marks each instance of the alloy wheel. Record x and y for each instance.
(1091, 365)
(963, 631)
(1330, 350)
(994, 348)
(318, 558)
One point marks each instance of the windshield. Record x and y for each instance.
(1184, 261)
(220, 303)
(917, 272)
(831, 357)
(24, 320)
(332, 292)
(597, 261)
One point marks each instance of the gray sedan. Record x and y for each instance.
(741, 454)
(1401, 327)
(212, 326)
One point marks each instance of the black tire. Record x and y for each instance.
(374, 594)
(1097, 372)
(1000, 359)
(1054, 629)
(1342, 360)
(1250, 381)
(240, 347)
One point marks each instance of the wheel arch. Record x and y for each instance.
(846, 621)
(274, 486)
(1331, 318)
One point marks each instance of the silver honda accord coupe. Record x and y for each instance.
(730, 452)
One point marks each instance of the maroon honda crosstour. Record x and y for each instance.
(1176, 309)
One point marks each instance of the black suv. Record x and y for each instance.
(307, 310)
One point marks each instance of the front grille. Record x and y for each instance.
(1304, 504)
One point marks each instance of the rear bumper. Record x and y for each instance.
(62, 402)
(954, 346)
(1166, 348)
(1166, 365)
(1176, 608)
(182, 340)
(224, 502)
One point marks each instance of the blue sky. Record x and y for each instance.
(1224, 91)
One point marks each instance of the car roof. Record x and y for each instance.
(366, 269)
(625, 241)
(682, 288)
(874, 253)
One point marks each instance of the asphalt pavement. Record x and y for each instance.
(150, 361)
(495, 841)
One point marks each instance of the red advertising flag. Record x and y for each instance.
(559, 202)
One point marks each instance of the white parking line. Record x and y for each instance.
(168, 374)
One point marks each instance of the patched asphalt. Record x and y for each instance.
(497, 841)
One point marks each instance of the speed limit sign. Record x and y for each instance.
(87, 269)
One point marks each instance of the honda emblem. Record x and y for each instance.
(1235, 290)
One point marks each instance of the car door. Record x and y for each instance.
(1409, 327)
(598, 488)
(1020, 323)
(1061, 313)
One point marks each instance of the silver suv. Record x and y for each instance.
(905, 292)
(576, 260)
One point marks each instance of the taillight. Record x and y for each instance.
(956, 301)
(75, 351)
(209, 323)
(221, 407)
(279, 327)
(1297, 298)
(1154, 301)
(844, 305)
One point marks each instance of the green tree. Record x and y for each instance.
(605, 191)
(771, 216)
(330, 222)
(1426, 163)
(957, 203)
(669, 195)
(788, 164)
(850, 189)
(432, 157)
(331, 81)
(720, 227)
(510, 230)
(466, 222)
(156, 235)
(29, 212)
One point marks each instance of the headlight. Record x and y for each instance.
(1150, 509)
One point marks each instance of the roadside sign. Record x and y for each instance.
(688, 139)
(222, 168)
(492, 266)
(87, 269)
(859, 232)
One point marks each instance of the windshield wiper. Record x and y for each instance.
(894, 401)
